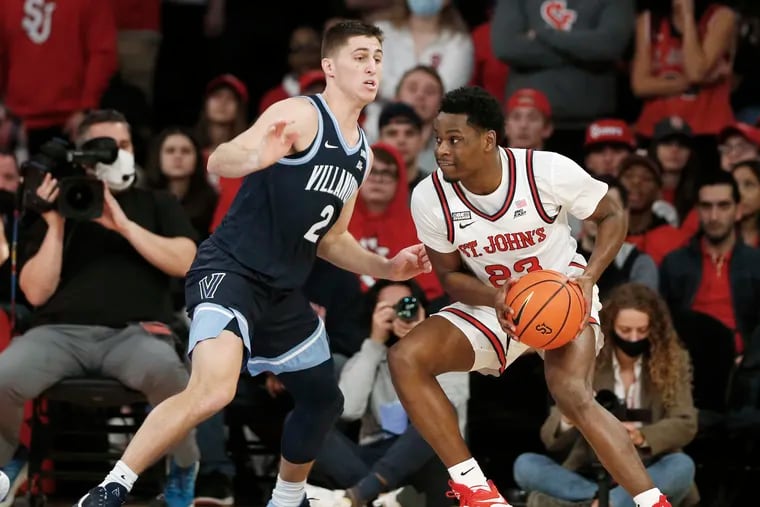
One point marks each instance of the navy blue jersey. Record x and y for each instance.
(279, 215)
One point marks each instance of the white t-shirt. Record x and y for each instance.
(452, 55)
(521, 226)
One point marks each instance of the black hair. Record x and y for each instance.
(370, 300)
(719, 177)
(98, 116)
(483, 110)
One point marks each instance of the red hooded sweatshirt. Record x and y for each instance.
(56, 58)
(388, 232)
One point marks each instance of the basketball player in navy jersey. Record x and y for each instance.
(303, 161)
(487, 216)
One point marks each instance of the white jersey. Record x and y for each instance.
(522, 226)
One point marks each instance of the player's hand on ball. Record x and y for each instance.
(408, 263)
(503, 312)
(277, 143)
(587, 287)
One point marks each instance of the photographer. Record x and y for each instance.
(390, 453)
(100, 289)
(643, 376)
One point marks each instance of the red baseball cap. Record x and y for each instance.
(311, 78)
(609, 130)
(530, 97)
(748, 132)
(229, 81)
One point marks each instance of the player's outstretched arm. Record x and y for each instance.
(286, 127)
(339, 247)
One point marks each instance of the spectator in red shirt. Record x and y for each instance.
(304, 56)
(224, 113)
(528, 122)
(650, 233)
(489, 72)
(736, 143)
(382, 221)
(716, 274)
(608, 142)
(139, 35)
(56, 59)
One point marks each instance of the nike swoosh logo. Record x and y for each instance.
(328, 145)
(518, 316)
(467, 471)
(462, 226)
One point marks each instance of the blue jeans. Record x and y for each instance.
(401, 460)
(212, 442)
(672, 473)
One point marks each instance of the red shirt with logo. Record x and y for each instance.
(56, 58)
(706, 108)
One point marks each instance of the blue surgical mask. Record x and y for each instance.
(425, 7)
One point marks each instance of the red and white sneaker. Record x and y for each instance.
(662, 502)
(479, 497)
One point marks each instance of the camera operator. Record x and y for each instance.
(643, 377)
(391, 453)
(101, 292)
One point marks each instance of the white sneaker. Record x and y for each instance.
(389, 499)
(323, 497)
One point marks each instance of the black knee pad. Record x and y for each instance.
(318, 402)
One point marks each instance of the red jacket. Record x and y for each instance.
(56, 58)
(490, 72)
(138, 14)
(388, 232)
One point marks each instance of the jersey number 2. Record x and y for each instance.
(499, 273)
(326, 214)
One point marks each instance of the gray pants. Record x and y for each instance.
(47, 354)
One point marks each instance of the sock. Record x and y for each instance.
(468, 473)
(368, 488)
(649, 498)
(121, 474)
(288, 494)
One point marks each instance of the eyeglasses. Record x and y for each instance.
(740, 147)
(383, 174)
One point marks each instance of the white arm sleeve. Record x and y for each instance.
(428, 217)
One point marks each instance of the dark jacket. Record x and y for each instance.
(681, 275)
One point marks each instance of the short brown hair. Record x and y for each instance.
(427, 69)
(101, 116)
(337, 35)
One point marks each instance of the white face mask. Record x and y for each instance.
(120, 174)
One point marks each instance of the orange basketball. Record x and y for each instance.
(548, 309)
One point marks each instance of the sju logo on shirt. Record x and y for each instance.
(38, 20)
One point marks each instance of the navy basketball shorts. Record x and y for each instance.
(280, 330)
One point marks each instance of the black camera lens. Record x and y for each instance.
(407, 308)
(80, 197)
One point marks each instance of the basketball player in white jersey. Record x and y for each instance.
(487, 216)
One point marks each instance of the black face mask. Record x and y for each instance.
(631, 349)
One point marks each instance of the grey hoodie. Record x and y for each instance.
(365, 382)
(565, 48)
